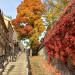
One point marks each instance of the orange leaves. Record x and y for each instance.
(24, 30)
(28, 20)
(21, 31)
(35, 44)
(30, 11)
(30, 8)
(28, 28)
(16, 21)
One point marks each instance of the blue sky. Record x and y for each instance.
(9, 7)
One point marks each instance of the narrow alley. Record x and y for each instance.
(37, 37)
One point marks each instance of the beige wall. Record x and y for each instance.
(15, 35)
(6, 20)
(42, 53)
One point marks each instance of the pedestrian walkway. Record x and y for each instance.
(16, 68)
(40, 67)
(35, 66)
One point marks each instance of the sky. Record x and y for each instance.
(9, 7)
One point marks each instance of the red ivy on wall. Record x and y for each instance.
(60, 40)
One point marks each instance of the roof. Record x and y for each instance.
(2, 20)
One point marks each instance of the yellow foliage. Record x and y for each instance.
(55, 10)
(40, 26)
(29, 12)
(50, 15)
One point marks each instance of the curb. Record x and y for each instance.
(28, 66)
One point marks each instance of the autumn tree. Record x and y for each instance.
(54, 9)
(28, 22)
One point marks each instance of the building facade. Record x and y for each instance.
(6, 39)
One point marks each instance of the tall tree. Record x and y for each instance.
(28, 20)
(54, 10)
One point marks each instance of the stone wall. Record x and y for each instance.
(43, 53)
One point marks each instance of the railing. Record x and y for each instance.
(28, 66)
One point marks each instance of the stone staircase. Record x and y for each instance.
(36, 68)
(16, 68)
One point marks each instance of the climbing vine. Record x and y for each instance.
(60, 40)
